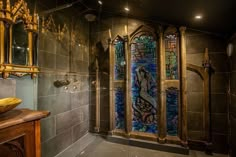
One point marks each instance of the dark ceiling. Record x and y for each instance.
(219, 16)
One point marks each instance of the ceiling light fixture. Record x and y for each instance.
(126, 9)
(100, 2)
(198, 17)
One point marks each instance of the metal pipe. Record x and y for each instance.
(65, 6)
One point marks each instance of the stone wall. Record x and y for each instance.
(196, 44)
(64, 59)
(232, 109)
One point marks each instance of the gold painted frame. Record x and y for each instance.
(8, 15)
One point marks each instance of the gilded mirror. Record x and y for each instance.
(19, 43)
(18, 39)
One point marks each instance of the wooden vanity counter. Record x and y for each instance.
(20, 133)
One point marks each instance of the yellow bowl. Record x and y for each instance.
(7, 104)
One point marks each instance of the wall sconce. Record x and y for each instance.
(230, 48)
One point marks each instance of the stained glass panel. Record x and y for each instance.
(119, 109)
(144, 86)
(171, 51)
(172, 111)
(119, 60)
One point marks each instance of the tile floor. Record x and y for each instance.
(102, 148)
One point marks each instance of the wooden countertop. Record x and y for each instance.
(18, 116)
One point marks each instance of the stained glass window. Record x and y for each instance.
(119, 108)
(144, 87)
(171, 51)
(172, 111)
(119, 59)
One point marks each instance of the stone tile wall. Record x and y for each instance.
(60, 60)
(196, 44)
(232, 108)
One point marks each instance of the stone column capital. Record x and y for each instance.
(182, 29)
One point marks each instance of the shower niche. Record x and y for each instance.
(148, 85)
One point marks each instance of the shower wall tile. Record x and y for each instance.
(57, 144)
(219, 82)
(220, 123)
(55, 104)
(195, 58)
(233, 82)
(232, 59)
(196, 43)
(76, 100)
(77, 147)
(62, 63)
(195, 121)
(232, 107)
(219, 103)
(45, 82)
(192, 135)
(80, 130)
(48, 128)
(195, 101)
(71, 118)
(47, 60)
(194, 82)
(233, 133)
(49, 43)
(62, 47)
(69, 108)
(219, 61)
(85, 98)
(220, 143)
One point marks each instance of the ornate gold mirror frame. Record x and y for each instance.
(8, 17)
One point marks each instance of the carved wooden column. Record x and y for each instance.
(111, 88)
(183, 87)
(162, 108)
(30, 53)
(128, 103)
(97, 127)
(1, 34)
(10, 49)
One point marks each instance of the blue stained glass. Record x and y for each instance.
(119, 60)
(144, 87)
(172, 111)
(171, 51)
(119, 109)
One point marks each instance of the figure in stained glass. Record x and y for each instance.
(144, 87)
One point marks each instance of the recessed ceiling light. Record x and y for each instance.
(126, 9)
(198, 17)
(100, 2)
